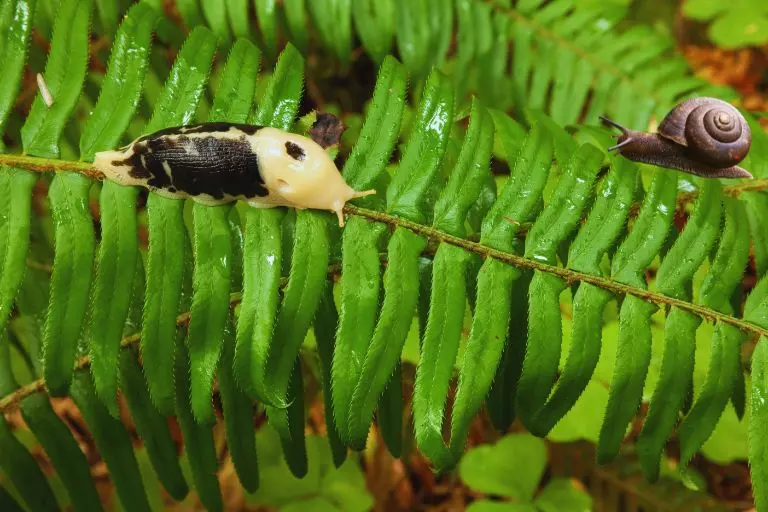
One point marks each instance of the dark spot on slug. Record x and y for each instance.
(295, 151)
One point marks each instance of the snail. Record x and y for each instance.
(217, 163)
(702, 136)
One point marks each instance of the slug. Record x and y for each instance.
(702, 136)
(217, 163)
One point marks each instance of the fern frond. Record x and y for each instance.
(451, 241)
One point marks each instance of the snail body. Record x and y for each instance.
(706, 137)
(217, 163)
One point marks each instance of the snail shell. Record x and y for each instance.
(702, 136)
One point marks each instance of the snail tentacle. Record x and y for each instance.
(621, 144)
(613, 123)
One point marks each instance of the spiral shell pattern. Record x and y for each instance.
(713, 131)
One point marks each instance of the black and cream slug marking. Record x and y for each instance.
(216, 163)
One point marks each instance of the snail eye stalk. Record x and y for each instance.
(620, 144)
(614, 124)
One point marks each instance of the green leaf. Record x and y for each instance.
(15, 184)
(198, 439)
(151, 426)
(118, 248)
(703, 9)
(190, 13)
(755, 307)
(113, 442)
(605, 223)
(212, 245)
(366, 164)
(266, 14)
(360, 291)
(24, 473)
(407, 193)
(694, 243)
(7, 502)
(542, 355)
(518, 200)
(758, 447)
(633, 354)
(215, 14)
(560, 495)
(674, 383)
(72, 269)
(401, 281)
(261, 280)
(500, 402)
(492, 59)
(581, 423)
(756, 160)
(62, 449)
(108, 15)
(333, 20)
(210, 297)
(375, 25)
(64, 74)
(490, 323)
(295, 17)
(277, 108)
(325, 327)
(440, 341)
(280, 102)
(263, 241)
(325, 486)
(675, 380)
(756, 204)
(603, 226)
(121, 88)
(725, 353)
(512, 467)
(289, 423)
(468, 176)
(389, 415)
(439, 347)
(15, 27)
(15, 212)
(496, 506)
(238, 417)
(423, 32)
(309, 266)
(743, 23)
(118, 251)
(237, 12)
(167, 233)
